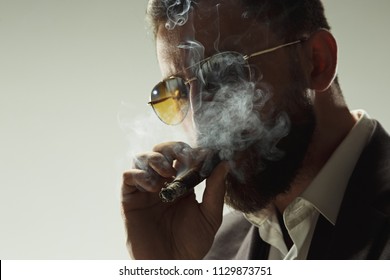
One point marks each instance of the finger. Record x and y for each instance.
(141, 180)
(155, 164)
(176, 151)
(135, 196)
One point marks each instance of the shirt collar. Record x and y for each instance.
(327, 189)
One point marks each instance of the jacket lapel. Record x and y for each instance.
(362, 228)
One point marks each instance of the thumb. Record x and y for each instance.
(214, 194)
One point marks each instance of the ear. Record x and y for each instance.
(322, 50)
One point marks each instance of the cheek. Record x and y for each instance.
(277, 80)
(276, 77)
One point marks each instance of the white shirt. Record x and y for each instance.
(322, 197)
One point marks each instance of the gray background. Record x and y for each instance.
(75, 77)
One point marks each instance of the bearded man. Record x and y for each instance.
(255, 83)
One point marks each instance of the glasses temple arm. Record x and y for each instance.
(246, 57)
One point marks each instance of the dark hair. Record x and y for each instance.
(289, 19)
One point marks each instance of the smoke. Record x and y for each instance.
(228, 117)
(145, 130)
(195, 51)
(177, 12)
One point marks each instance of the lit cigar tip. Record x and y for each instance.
(172, 191)
(167, 195)
(189, 179)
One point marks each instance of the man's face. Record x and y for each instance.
(256, 112)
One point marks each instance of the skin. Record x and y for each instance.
(185, 229)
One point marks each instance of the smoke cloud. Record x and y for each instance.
(228, 119)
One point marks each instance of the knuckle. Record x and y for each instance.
(141, 161)
(126, 176)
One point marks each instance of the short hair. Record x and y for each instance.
(289, 19)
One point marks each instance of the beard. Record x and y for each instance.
(265, 153)
(255, 181)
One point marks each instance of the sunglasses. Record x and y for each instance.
(170, 98)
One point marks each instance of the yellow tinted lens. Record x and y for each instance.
(169, 100)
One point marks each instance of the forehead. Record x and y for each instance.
(212, 26)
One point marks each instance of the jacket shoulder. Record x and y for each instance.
(363, 224)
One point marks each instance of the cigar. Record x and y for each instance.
(189, 179)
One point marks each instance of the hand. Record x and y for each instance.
(183, 229)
